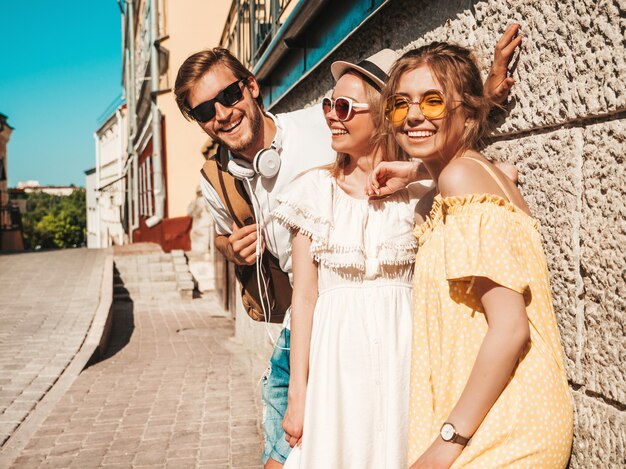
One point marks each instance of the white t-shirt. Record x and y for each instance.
(306, 144)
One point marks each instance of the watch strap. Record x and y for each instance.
(461, 440)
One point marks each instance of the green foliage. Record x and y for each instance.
(54, 221)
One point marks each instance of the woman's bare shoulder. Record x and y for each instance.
(463, 176)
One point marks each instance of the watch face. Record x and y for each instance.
(447, 432)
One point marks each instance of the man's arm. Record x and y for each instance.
(239, 247)
(223, 246)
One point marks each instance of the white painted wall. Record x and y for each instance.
(110, 158)
(91, 198)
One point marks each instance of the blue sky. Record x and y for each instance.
(60, 68)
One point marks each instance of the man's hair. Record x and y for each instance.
(195, 67)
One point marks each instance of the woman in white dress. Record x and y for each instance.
(351, 307)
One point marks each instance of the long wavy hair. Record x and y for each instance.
(455, 69)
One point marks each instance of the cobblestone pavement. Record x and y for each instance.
(47, 303)
(173, 390)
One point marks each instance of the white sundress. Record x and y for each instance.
(356, 413)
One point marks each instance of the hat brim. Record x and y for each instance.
(339, 68)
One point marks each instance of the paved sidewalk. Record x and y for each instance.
(173, 390)
(47, 304)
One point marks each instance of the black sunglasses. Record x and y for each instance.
(229, 96)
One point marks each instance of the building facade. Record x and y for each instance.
(107, 179)
(564, 129)
(164, 150)
(28, 187)
(10, 221)
(91, 201)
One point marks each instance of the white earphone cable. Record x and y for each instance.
(261, 280)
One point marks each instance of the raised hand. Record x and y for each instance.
(498, 84)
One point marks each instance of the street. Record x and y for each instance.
(173, 389)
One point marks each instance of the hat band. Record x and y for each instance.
(374, 69)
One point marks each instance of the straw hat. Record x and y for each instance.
(376, 67)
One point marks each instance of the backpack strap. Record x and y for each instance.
(493, 176)
(230, 190)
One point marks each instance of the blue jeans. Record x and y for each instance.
(275, 389)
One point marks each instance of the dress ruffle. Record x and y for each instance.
(315, 205)
(457, 204)
(482, 233)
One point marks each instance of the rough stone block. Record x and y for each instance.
(571, 65)
(603, 261)
(599, 435)
(572, 61)
(549, 179)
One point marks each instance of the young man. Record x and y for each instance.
(303, 142)
(217, 91)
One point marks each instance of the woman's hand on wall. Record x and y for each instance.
(498, 84)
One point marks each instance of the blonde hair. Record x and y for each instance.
(373, 97)
(455, 69)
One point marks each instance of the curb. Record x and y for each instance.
(91, 350)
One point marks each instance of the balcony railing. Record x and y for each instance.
(110, 109)
(251, 25)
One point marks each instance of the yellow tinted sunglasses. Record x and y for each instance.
(432, 105)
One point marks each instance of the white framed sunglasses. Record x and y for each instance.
(343, 107)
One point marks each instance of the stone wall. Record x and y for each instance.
(565, 131)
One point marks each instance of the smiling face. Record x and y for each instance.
(354, 135)
(239, 126)
(428, 138)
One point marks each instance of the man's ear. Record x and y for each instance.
(253, 86)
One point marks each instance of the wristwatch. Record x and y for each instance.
(448, 433)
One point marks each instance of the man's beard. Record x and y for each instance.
(246, 142)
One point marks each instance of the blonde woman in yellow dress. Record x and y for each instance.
(488, 386)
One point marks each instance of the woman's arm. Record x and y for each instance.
(498, 83)
(506, 339)
(302, 306)
(391, 176)
(507, 336)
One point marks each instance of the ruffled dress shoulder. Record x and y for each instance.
(349, 235)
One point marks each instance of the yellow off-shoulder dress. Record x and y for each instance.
(530, 425)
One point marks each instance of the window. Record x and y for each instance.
(146, 205)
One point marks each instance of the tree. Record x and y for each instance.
(54, 221)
